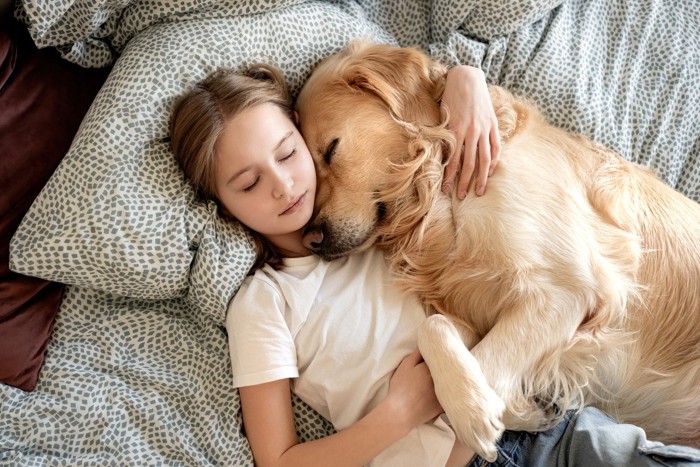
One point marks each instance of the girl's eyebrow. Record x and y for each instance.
(284, 138)
(238, 174)
(247, 168)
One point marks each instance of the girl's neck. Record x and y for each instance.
(290, 245)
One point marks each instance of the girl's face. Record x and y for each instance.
(265, 175)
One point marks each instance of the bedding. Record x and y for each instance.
(137, 368)
(40, 94)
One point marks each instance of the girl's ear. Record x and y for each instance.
(296, 118)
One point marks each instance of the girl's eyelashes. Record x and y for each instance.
(289, 156)
(252, 185)
(255, 182)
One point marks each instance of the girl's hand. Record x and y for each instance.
(268, 418)
(473, 121)
(411, 392)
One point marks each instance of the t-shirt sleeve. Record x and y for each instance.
(260, 343)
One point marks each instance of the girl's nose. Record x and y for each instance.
(282, 184)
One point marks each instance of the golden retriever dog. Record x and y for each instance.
(574, 280)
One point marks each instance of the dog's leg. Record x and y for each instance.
(514, 347)
(472, 406)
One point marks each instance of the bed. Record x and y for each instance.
(136, 368)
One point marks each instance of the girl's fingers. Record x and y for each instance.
(495, 150)
(411, 360)
(468, 165)
(484, 165)
(416, 357)
(452, 165)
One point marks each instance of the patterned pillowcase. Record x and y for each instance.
(117, 215)
(88, 32)
(485, 20)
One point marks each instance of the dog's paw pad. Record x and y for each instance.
(550, 414)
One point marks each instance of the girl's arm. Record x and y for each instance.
(473, 121)
(269, 421)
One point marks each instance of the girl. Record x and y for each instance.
(339, 334)
(332, 332)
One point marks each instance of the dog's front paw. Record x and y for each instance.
(473, 407)
(477, 420)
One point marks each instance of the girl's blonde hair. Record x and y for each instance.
(198, 120)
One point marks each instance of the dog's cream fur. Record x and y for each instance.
(575, 280)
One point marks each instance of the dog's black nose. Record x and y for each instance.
(313, 238)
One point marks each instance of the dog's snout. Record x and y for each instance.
(313, 238)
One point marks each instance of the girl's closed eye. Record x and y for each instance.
(252, 185)
(289, 156)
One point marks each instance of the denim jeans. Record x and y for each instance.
(588, 439)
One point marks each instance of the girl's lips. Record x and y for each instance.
(294, 207)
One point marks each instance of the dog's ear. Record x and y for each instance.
(401, 77)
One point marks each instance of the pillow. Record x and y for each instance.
(43, 99)
(94, 32)
(117, 215)
(485, 21)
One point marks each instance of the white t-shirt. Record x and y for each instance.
(338, 329)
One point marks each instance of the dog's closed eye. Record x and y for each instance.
(328, 154)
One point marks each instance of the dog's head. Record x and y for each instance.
(365, 114)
